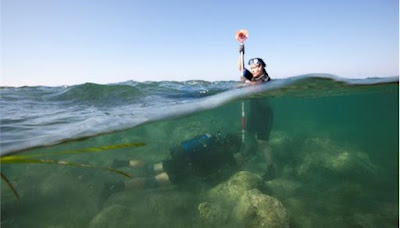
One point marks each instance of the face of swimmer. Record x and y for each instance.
(256, 70)
(257, 67)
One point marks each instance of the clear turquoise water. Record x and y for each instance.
(335, 146)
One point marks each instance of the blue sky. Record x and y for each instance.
(66, 42)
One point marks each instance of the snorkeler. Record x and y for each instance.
(204, 158)
(260, 116)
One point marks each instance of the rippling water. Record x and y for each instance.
(334, 142)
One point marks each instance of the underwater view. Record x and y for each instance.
(133, 154)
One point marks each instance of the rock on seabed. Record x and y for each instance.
(258, 210)
(250, 207)
(110, 217)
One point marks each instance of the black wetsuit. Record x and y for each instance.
(247, 74)
(261, 115)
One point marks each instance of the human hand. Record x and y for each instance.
(241, 48)
(240, 159)
(241, 84)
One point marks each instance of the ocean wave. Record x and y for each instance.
(41, 116)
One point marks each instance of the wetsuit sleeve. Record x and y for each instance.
(247, 74)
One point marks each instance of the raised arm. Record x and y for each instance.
(241, 58)
(241, 62)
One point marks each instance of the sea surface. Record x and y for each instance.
(334, 143)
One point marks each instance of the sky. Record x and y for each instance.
(68, 42)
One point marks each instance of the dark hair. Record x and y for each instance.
(260, 60)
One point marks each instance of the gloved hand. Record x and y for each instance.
(241, 48)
